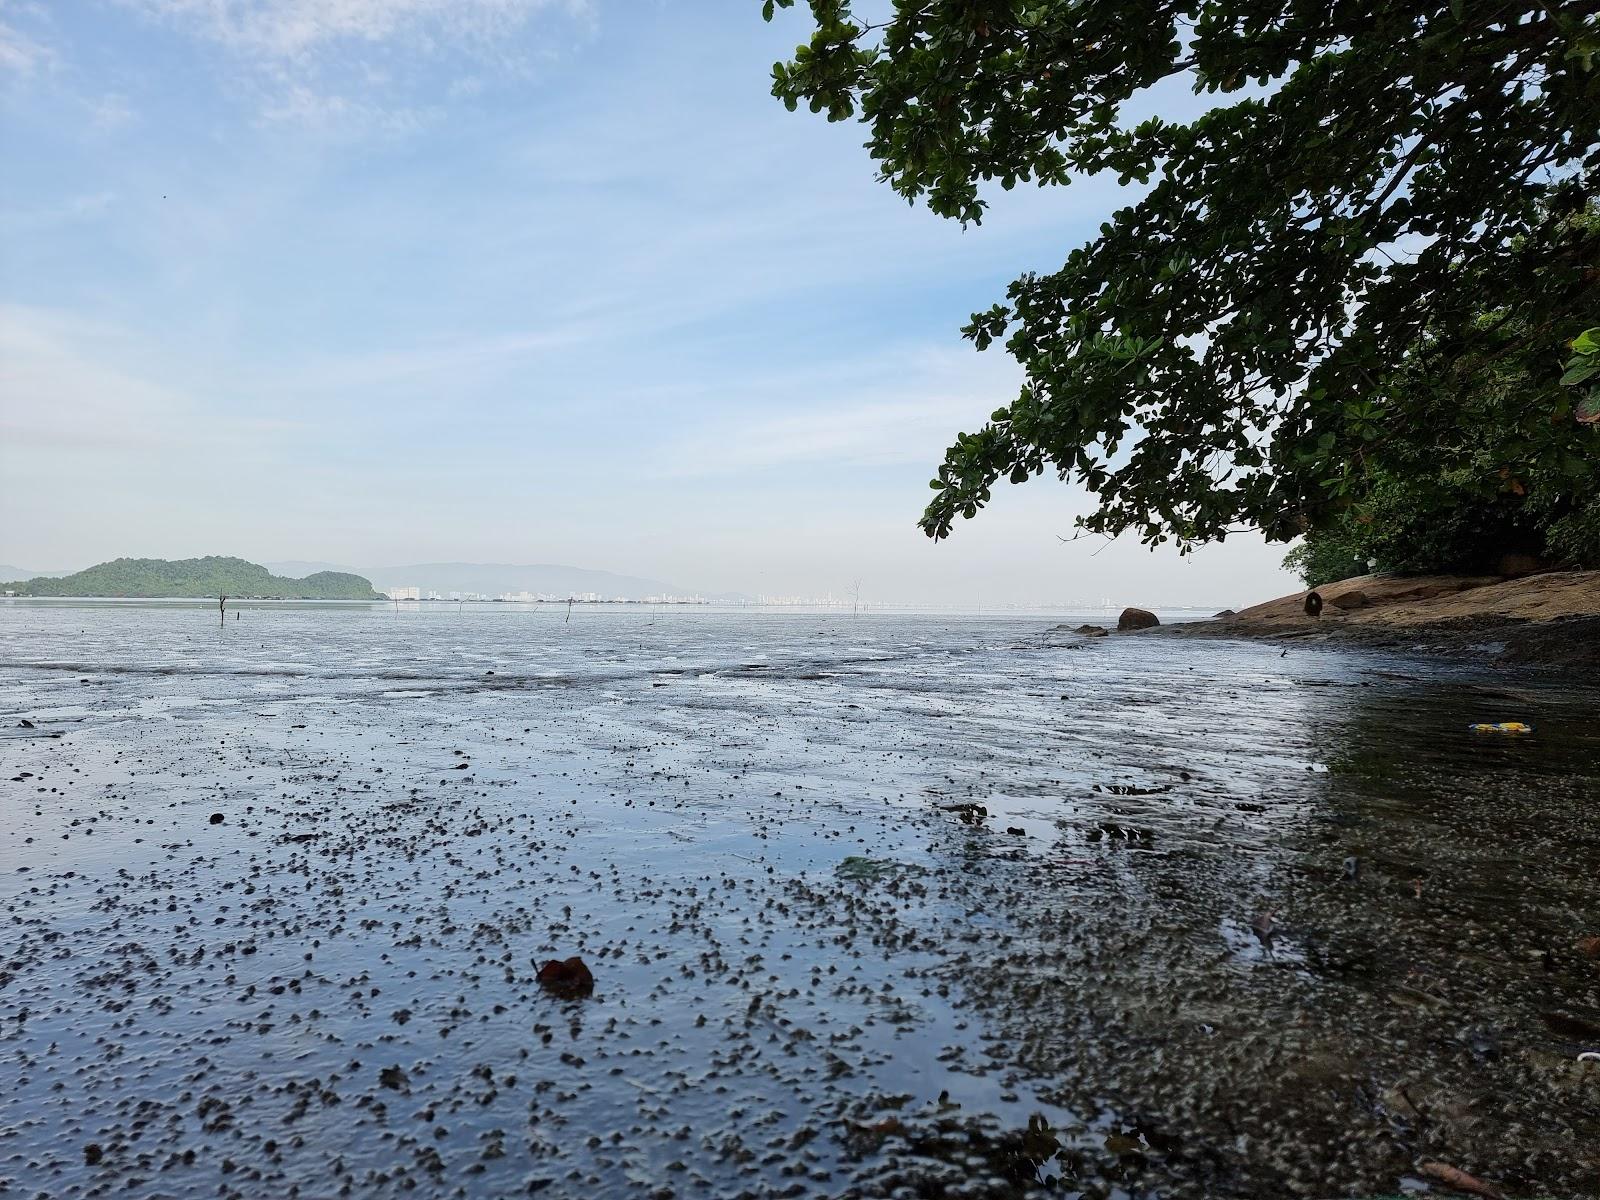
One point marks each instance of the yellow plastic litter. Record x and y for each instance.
(1502, 727)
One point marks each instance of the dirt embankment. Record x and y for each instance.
(1552, 617)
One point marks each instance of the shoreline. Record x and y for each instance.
(1549, 619)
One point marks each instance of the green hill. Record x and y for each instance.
(198, 577)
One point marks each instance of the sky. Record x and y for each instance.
(390, 281)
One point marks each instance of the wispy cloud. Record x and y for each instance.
(110, 112)
(61, 386)
(332, 113)
(87, 206)
(21, 54)
(898, 407)
(348, 67)
(453, 362)
(289, 29)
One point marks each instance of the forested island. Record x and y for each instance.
(195, 577)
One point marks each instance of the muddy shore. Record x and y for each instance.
(926, 907)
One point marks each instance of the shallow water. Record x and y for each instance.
(1228, 922)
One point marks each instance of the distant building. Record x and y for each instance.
(405, 593)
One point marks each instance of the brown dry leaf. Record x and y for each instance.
(1589, 946)
(1454, 1177)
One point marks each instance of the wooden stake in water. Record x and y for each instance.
(222, 609)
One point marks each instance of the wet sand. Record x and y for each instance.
(1223, 922)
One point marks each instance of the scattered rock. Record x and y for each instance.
(1265, 927)
(395, 1079)
(1348, 600)
(1137, 618)
(217, 818)
(971, 813)
(92, 1154)
(1091, 631)
(569, 978)
(1227, 612)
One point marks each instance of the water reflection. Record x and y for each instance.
(960, 906)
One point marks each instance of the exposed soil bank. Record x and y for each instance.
(1548, 618)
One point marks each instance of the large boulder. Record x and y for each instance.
(1137, 618)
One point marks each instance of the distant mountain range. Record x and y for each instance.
(194, 577)
(494, 579)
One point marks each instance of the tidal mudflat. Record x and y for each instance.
(890, 906)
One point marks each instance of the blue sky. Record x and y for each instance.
(375, 281)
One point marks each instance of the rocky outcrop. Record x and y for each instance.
(1551, 618)
(1137, 618)
(1421, 600)
(1349, 600)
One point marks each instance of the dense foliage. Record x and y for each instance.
(1363, 182)
(199, 577)
(1510, 470)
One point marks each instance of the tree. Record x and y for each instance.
(1500, 477)
(1367, 180)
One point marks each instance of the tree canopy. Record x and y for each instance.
(1361, 185)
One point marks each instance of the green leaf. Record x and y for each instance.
(1237, 337)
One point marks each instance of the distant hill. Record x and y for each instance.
(197, 577)
(493, 579)
(7, 571)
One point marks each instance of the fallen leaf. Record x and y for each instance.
(1453, 1177)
